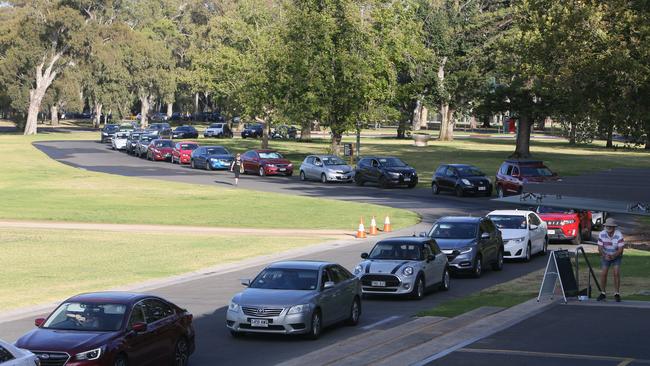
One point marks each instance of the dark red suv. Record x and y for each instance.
(512, 175)
(112, 329)
(266, 162)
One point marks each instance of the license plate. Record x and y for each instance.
(481, 188)
(378, 283)
(260, 323)
(407, 179)
(283, 169)
(551, 232)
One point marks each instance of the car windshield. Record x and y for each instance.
(112, 128)
(146, 138)
(546, 209)
(121, 135)
(454, 230)
(270, 155)
(217, 151)
(509, 221)
(392, 162)
(95, 317)
(216, 125)
(535, 171)
(397, 251)
(189, 146)
(286, 279)
(333, 160)
(182, 128)
(166, 143)
(469, 171)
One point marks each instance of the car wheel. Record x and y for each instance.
(316, 325)
(236, 334)
(578, 239)
(358, 181)
(121, 361)
(498, 264)
(207, 165)
(418, 289)
(478, 266)
(355, 313)
(192, 164)
(323, 178)
(446, 280)
(459, 192)
(528, 253)
(434, 188)
(382, 182)
(499, 192)
(412, 185)
(302, 176)
(261, 171)
(181, 352)
(545, 246)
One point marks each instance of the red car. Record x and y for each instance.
(160, 149)
(566, 224)
(182, 152)
(266, 162)
(512, 175)
(112, 329)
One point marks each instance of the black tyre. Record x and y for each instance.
(358, 181)
(181, 352)
(289, 174)
(355, 313)
(498, 263)
(445, 282)
(528, 253)
(302, 176)
(545, 247)
(382, 182)
(236, 334)
(578, 239)
(316, 326)
(192, 164)
(207, 165)
(477, 271)
(323, 178)
(121, 361)
(261, 172)
(434, 188)
(459, 191)
(417, 292)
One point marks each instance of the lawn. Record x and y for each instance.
(635, 285)
(34, 187)
(46, 265)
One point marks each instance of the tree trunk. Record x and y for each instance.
(207, 102)
(98, 115)
(401, 129)
(472, 123)
(170, 109)
(417, 113)
(424, 117)
(305, 131)
(647, 141)
(44, 79)
(447, 123)
(336, 143)
(196, 104)
(572, 133)
(144, 110)
(54, 115)
(266, 131)
(522, 150)
(610, 135)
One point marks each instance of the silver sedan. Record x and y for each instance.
(326, 168)
(296, 297)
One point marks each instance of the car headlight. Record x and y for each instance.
(566, 222)
(466, 182)
(297, 309)
(465, 250)
(393, 174)
(89, 355)
(407, 271)
(233, 306)
(517, 240)
(358, 269)
(290, 166)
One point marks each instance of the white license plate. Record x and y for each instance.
(481, 188)
(552, 232)
(378, 283)
(407, 179)
(260, 323)
(283, 169)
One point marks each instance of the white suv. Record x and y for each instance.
(524, 233)
(218, 130)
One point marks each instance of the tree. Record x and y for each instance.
(63, 94)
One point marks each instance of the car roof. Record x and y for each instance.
(406, 239)
(298, 264)
(510, 212)
(118, 297)
(473, 219)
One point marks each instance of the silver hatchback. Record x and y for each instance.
(296, 297)
(326, 168)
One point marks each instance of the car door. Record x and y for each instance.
(329, 299)
(440, 261)
(537, 234)
(450, 178)
(374, 171)
(346, 288)
(486, 244)
(431, 269)
(317, 168)
(161, 320)
(139, 346)
(495, 238)
(515, 180)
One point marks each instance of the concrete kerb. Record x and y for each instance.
(151, 285)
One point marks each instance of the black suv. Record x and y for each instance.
(108, 132)
(185, 132)
(161, 130)
(462, 179)
(470, 243)
(385, 171)
(255, 130)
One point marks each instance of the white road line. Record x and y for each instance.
(384, 321)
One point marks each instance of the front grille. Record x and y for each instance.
(262, 312)
(270, 327)
(391, 281)
(554, 223)
(380, 289)
(52, 358)
(281, 165)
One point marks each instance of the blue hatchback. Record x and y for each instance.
(211, 158)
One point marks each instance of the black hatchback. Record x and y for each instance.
(386, 171)
(461, 179)
(254, 131)
(185, 132)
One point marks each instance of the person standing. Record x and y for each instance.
(610, 247)
(236, 167)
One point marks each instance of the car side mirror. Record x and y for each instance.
(246, 282)
(431, 257)
(139, 327)
(364, 255)
(39, 321)
(328, 285)
(533, 227)
(485, 236)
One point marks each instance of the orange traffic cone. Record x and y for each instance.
(361, 233)
(373, 226)
(387, 228)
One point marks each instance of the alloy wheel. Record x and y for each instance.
(446, 280)
(120, 361)
(434, 188)
(261, 172)
(181, 353)
(478, 266)
(315, 326)
(302, 176)
(528, 250)
(323, 178)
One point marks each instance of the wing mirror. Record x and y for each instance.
(328, 285)
(139, 327)
(364, 255)
(485, 236)
(246, 282)
(533, 227)
(39, 321)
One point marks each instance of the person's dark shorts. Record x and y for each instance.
(604, 263)
(236, 171)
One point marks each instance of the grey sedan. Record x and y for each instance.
(326, 168)
(296, 297)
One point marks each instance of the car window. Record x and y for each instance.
(363, 163)
(503, 169)
(509, 170)
(325, 277)
(137, 314)
(337, 274)
(450, 172)
(317, 162)
(333, 160)
(5, 355)
(375, 163)
(155, 310)
(334, 275)
(435, 248)
(396, 251)
(309, 160)
(441, 170)
(453, 230)
(270, 155)
(515, 171)
(534, 220)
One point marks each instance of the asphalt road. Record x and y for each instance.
(208, 297)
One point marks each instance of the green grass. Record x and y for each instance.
(48, 265)
(34, 187)
(635, 285)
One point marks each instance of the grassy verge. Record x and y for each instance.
(34, 187)
(635, 285)
(48, 265)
